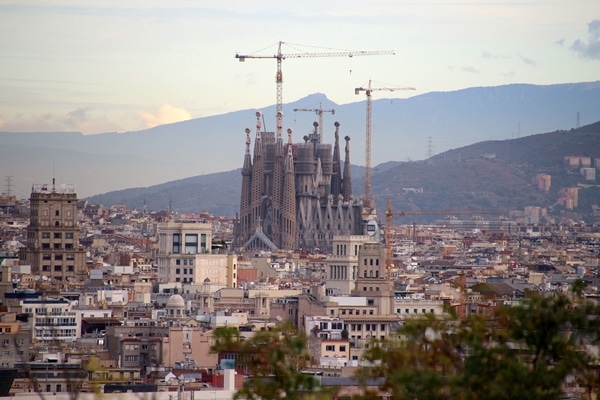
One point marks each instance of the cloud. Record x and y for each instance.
(470, 69)
(559, 42)
(527, 60)
(165, 114)
(489, 55)
(84, 120)
(591, 48)
(508, 74)
(464, 68)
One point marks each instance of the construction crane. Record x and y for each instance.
(319, 111)
(368, 201)
(279, 56)
(389, 222)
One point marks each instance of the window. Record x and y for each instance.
(178, 262)
(46, 268)
(177, 271)
(46, 257)
(176, 243)
(46, 246)
(69, 246)
(191, 243)
(57, 268)
(329, 348)
(56, 246)
(56, 213)
(342, 348)
(69, 235)
(58, 257)
(45, 235)
(57, 235)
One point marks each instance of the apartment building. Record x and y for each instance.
(185, 255)
(53, 320)
(52, 248)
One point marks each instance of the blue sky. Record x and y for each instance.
(103, 65)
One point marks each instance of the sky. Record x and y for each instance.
(97, 66)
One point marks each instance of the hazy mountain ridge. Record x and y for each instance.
(402, 129)
(458, 179)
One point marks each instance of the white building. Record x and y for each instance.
(53, 320)
(185, 256)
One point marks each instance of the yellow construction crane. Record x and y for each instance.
(368, 200)
(279, 56)
(319, 111)
(389, 222)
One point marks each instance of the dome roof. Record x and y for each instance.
(176, 301)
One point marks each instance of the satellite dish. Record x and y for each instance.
(45, 277)
(37, 278)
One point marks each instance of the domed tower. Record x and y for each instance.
(175, 308)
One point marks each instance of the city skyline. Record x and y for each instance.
(111, 67)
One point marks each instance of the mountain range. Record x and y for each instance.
(494, 174)
(423, 127)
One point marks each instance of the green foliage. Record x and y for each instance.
(275, 361)
(523, 352)
(529, 351)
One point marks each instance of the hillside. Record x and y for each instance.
(461, 178)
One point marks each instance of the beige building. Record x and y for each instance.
(53, 234)
(185, 255)
(15, 342)
(189, 343)
(342, 265)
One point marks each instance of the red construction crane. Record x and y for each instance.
(280, 57)
(368, 201)
(319, 111)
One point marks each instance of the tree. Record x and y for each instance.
(526, 351)
(274, 361)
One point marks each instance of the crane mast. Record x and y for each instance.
(319, 111)
(279, 56)
(368, 201)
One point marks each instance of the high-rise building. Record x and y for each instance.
(295, 195)
(53, 249)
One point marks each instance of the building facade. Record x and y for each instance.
(342, 264)
(53, 249)
(185, 256)
(295, 195)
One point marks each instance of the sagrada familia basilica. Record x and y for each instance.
(295, 195)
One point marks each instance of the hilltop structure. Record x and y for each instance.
(295, 195)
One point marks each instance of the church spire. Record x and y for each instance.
(288, 209)
(336, 177)
(245, 199)
(347, 179)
